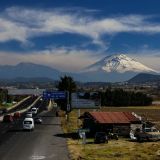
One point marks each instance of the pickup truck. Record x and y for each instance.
(147, 135)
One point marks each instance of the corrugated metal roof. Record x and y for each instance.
(113, 117)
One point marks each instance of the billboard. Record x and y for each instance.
(84, 101)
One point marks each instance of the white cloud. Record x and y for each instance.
(21, 24)
(10, 30)
(73, 59)
(148, 57)
(62, 58)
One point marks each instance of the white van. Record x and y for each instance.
(28, 124)
(34, 110)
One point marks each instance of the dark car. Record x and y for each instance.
(8, 118)
(17, 115)
(38, 120)
(100, 137)
(3, 110)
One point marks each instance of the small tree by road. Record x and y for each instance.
(67, 84)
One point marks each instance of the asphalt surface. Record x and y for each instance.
(23, 105)
(45, 142)
(5, 126)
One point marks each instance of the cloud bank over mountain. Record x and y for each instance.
(73, 37)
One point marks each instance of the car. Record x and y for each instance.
(3, 110)
(29, 115)
(148, 134)
(34, 110)
(17, 115)
(38, 120)
(8, 118)
(152, 129)
(28, 124)
(100, 137)
(55, 105)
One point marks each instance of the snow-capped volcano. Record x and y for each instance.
(118, 63)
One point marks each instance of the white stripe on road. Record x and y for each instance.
(37, 157)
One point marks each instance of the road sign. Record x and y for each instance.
(80, 103)
(54, 95)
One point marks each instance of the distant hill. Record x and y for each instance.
(28, 70)
(144, 77)
(37, 79)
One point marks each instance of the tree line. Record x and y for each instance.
(119, 97)
(3, 95)
(116, 97)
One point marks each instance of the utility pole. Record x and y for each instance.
(68, 107)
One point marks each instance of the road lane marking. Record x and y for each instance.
(37, 157)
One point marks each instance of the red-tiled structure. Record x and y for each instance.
(113, 117)
(105, 121)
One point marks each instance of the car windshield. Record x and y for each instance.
(148, 130)
(7, 116)
(100, 134)
(27, 122)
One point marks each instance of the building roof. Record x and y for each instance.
(113, 117)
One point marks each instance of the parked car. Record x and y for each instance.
(28, 124)
(17, 115)
(38, 120)
(8, 118)
(100, 137)
(147, 135)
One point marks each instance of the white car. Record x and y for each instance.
(34, 110)
(28, 124)
(29, 115)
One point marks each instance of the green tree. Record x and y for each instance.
(3, 95)
(66, 83)
(119, 97)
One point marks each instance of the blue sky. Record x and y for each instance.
(72, 34)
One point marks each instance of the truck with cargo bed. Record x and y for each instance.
(148, 134)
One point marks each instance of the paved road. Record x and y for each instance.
(42, 143)
(23, 105)
(39, 104)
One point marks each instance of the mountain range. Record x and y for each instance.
(114, 68)
(145, 78)
(28, 70)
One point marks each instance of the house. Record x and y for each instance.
(116, 122)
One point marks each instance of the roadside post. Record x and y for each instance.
(82, 135)
(68, 107)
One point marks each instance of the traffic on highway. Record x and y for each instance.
(29, 131)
